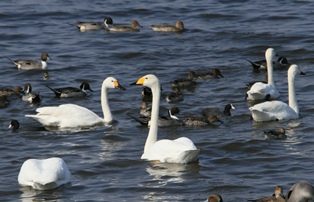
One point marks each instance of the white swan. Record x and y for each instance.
(300, 192)
(44, 174)
(277, 110)
(260, 90)
(181, 150)
(73, 116)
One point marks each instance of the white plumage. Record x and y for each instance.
(181, 150)
(44, 174)
(277, 110)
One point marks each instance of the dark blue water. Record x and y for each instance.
(235, 160)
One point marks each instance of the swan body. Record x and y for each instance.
(73, 116)
(300, 192)
(44, 174)
(179, 27)
(89, 26)
(32, 64)
(181, 150)
(260, 90)
(277, 110)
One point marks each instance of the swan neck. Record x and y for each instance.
(270, 71)
(291, 91)
(105, 105)
(153, 130)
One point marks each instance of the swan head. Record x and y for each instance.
(270, 53)
(149, 80)
(111, 82)
(294, 70)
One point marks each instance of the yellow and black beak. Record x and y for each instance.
(118, 86)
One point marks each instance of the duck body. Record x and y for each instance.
(278, 134)
(276, 197)
(179, 27)
(175, 96)
(32, 64)
(216, 111)
(17, 90)
(71, 92)
(262, 91)
(135, 27)
(281, 63)
(277, 110)
(90, 26)
(29, 95)
(44, 174)
(201, 121)
(181, 150)
(74, 116)
(185, 82)
(214, 74)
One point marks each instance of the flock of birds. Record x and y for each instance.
(53, 172)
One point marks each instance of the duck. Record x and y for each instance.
(4, 102)
(17, 90)
(175, 96)
(145, 111)
(210, 120)
(181, 150)
(217, 111)
(72, 92)
(89, 26)
(14, 124)
(214, 198)
(262, 91)
(184, 82)
(278, 134)
(276, 197)
(163, 121)
(301, 191)
(74, 116)
(213, 74)
(179, 27)
(44, 174)
(32, 64)
(281, 63)
(278, 110)
(135, 27)
(29, 95)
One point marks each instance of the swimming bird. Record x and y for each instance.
(89, 26)
(74, 116)
(276, 197)
(71, 92)
(163, 121)
(213, 74)
(300, 192)
(44, 174)
(145, 111)
(210, 120)
(14, 124)
(281, 63)
(184, 82)
(261, 91)
(181, 150)
(175, 96)
(17, 90)
(179, 27)
(135, 27)
(29, 95)
(278, 110)
(278, 134)
(217, 111)
(32, 64)
(214, 198)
